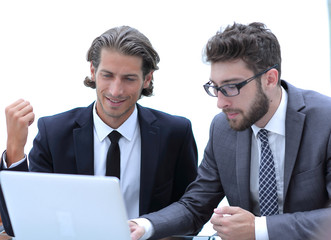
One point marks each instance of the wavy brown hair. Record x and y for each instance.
(128, 41)
(256, 45)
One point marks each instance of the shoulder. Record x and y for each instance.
(220, 130)
(74, 116)
(161, 118)
(307, 101)
(220, 122)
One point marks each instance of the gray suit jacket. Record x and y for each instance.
(225, 171)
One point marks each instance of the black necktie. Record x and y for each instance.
(113, 167)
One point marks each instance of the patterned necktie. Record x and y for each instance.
(113, 167)
(267, 178)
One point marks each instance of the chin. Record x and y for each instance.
(237, 126)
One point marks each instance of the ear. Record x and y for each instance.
(93, 72)
(148, 79)
(272, 78)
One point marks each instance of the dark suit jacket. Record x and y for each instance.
(64, 144)
(225, 171)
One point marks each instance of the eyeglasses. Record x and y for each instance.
(231, 90)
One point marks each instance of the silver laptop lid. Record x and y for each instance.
(67, 207)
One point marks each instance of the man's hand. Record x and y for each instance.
(233, 223)
(136, 231)
(19, 116)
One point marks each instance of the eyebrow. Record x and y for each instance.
(131, 75)
(228, 81)
(105, 71)
(125, 75)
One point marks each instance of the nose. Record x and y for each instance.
(116, 87)
(222, 101)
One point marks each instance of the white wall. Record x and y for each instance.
(43, 45)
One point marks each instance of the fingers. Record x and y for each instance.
(220, 216)
(220, 213)
(217, 221)
(233, 223)
(132, 224)
(136, 231)
(19, 116)
(21, 112)
(227, 210)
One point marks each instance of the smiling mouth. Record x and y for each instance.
(116, 102)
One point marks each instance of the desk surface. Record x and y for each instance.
(4, 236)
(192, 238)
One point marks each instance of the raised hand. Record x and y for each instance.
(19, 116)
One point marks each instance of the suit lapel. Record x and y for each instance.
(243, 157)
(150, 139)
(293, 128)
(83, 142)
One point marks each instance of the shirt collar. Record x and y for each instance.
(277, 123)
(127, 129)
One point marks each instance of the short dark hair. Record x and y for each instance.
(128, 41)
(256, 45)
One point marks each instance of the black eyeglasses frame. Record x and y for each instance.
(236, 85)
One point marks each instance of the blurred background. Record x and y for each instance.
(43, 47)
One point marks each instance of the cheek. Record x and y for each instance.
(102, 86)
(246, 105)
(246, 99)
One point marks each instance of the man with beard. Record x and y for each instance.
(268, 153)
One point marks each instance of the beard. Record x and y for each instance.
(259, 108)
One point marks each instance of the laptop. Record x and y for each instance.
(62, 206)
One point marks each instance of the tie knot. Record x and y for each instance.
(263, 135)
(114, 136)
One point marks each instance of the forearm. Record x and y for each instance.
(299, 225)
(172, 220)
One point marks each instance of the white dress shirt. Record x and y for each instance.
(276, 136)
(130, 150)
